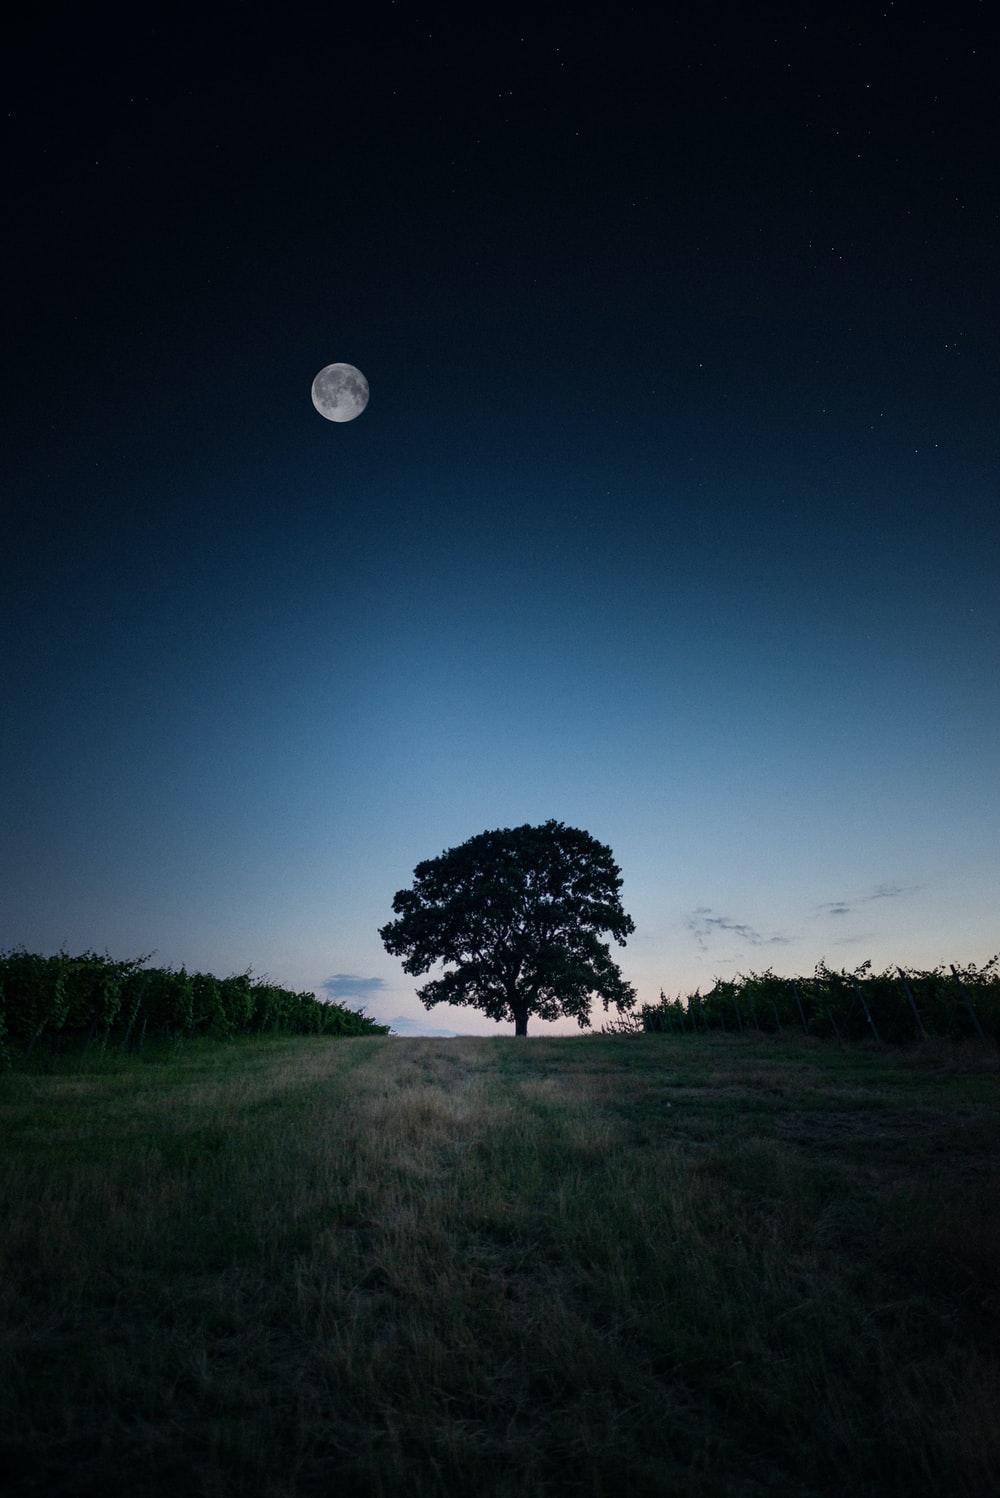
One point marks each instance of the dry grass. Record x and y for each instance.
(710, 1265)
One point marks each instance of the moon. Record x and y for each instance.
(340, 392)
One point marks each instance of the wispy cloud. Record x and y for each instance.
(705, 927)
(890, 891)
(855, 939)
(350, 986)
(880, 892)
(403, 1024)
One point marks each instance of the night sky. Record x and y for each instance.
(673, 515)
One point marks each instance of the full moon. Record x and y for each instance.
(340, 392)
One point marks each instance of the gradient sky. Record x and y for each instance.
(673, 515)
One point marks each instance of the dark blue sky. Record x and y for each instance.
(673, 514)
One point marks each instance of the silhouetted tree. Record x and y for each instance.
(517, 914)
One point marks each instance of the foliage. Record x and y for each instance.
(518, 913)
(66, 1000)
(4, 1048)
(889, 1006)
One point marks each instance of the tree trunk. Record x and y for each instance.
(520, 1021)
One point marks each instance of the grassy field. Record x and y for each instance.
(701, 1265)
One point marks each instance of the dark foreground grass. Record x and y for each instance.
(706, 1266)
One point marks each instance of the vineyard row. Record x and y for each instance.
(64, 1000)
(891, 1006)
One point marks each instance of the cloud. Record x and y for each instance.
(404, 1025)
(704, 926)
(349, 986)
(880, 892)
(855, 939)
(890, 891)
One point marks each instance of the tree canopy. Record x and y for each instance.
(516, 915)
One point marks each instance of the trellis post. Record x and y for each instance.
(913, 1003)
(868, 1013)
(802, 1013)
(968, 1002)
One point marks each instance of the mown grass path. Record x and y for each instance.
(703, 1265)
